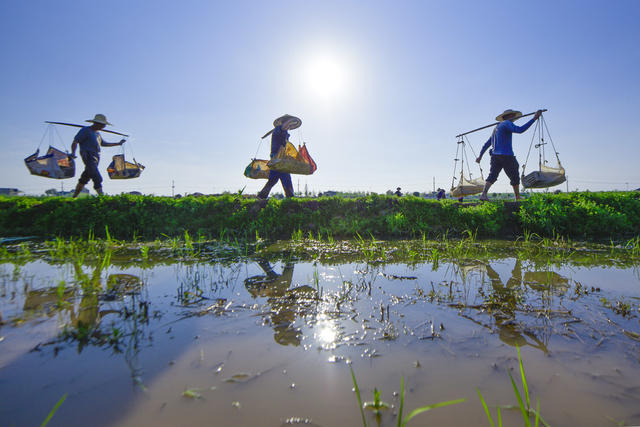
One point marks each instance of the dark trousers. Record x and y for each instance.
(90, 171)
(274, 177)
(510, 166)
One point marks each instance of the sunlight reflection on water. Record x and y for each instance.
(128, 340)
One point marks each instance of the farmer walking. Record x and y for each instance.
(502, 156)
(90, 140)
(279, 138)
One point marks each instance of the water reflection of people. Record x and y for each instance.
(88, 313)
(284, 302)
(505, 298)
(86, 316)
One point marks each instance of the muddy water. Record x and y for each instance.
(268, 339)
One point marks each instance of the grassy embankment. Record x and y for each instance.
(588, 216)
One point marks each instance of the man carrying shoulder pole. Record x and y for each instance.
(90, 141)
(502, 156)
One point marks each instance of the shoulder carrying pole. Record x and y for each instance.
(81, 126)
(493, 124)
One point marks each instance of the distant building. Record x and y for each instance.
(9, 191)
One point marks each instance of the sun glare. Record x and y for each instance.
(326, 333)
(326, 76)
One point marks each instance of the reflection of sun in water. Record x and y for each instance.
(326, 333)
(326, 76)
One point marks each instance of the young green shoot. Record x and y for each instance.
(54, 410)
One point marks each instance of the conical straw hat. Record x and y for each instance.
(99, 118)
(509, 112)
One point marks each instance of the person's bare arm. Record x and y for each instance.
(112, 144)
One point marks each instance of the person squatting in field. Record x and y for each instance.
(90, 140)
(279, 138)
(502, 156)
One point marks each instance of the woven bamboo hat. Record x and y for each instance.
(99, 118)
(288, 122)
(509, 114)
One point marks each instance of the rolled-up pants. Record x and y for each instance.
(510, 166)
(90, 171)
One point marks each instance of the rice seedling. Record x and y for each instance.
(54, 410)
(222, 233)
(106, 261)
(402, 421)
(316, 282)
(144, 252)
(633, 246)
(330, 238)
(378, 405)
(367, 249)
(488, 412)
(524, 401)
(110, 241)
(60, 291)
(296, 236)
(357, 390)
(188, 242)
(189, 247)
(435, 258)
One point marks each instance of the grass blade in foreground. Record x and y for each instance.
(53, 411)
(428, 408)
(355, 385)
(401, 401)
(525, 412)
(524, 379)
(486, 409)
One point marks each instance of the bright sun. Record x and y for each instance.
(326, 76)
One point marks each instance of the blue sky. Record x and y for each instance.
(382, 87)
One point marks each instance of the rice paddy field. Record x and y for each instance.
(318, 331)
(138, 310)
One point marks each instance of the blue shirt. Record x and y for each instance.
(89, 140)
(279, 139)
(501, 138)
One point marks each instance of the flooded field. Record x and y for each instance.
(212, 333)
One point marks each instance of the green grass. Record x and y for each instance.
(523, 399)
(54, 410)
(591, 216)
(378, 405)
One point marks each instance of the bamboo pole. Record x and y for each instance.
(81, 126)
(493, 124)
